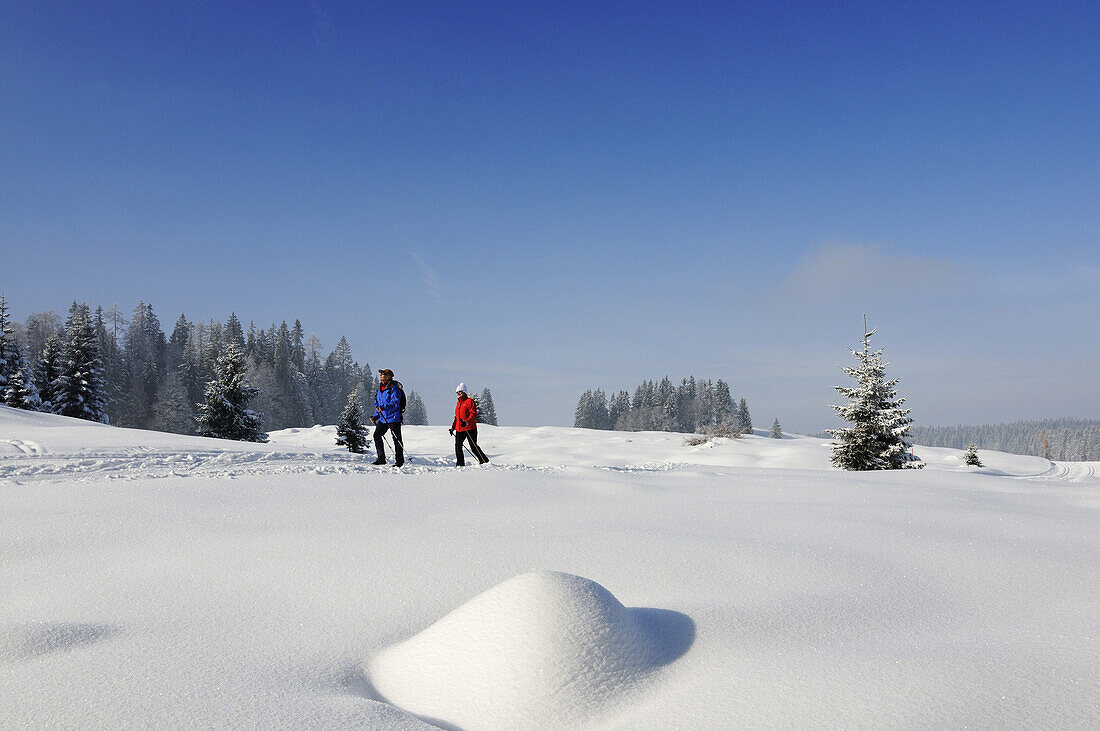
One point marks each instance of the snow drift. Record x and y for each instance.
(543, 649)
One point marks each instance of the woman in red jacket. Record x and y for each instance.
(465, 427)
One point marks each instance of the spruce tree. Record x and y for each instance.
(776, 431)
(17, 387)
(224, 413)
(79, 389)
(722, 403)
(350, 431)
(580, 414)
(744, 419)
(877, 438)
(172, 411)
(486, 409)
(21, 393)
(617, 409)
(416, 413)
(7, 346)
(48, 370)
(971, 456)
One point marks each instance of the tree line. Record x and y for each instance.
(694, 406)
(1069, 440)
(103, 366)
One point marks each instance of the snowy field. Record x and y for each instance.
(584, 579)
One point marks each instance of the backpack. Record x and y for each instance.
(400, 395)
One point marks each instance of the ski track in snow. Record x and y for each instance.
(1064, 472)
(32, 462)
(133, 464)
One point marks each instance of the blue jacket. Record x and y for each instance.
(389, 400)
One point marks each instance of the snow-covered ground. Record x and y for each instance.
(595, 579)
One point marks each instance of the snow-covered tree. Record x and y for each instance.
(743, 418)
(415, 411)
(9, 346)
(79, 390)
(877, 438)
(17, 387)
(224, 413)
(591, 410)
(48, 370)
(617, 408)
(351, 432)
(172, 410)
(971, 456)
(486, 409)
(776, 430)
(37, 329)
(145, 366)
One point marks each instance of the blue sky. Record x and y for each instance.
(549, 197)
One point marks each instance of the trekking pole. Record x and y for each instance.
(394, 440)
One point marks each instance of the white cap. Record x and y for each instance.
(460, 387)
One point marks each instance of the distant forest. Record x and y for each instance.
(141, 377)
(691, 407)
(1069, 440)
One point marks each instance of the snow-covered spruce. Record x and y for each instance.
(79, 390)
(225, 413)
(486, 409)
(351, 432)
(971, 456)
(877, 437)
(17, 387)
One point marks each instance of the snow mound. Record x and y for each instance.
(35, 639)
(543, 649)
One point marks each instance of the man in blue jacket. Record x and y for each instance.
(387, 417)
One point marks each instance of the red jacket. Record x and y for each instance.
(465, 410)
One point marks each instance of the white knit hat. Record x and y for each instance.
(460, 387)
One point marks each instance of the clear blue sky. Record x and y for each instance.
(548, 197)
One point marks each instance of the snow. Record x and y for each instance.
(584, 578)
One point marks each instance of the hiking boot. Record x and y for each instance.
(380, 460)
(398, 463)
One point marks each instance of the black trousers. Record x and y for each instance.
(380, 446)
(472, 437)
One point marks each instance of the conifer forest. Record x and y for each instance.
(126, 370)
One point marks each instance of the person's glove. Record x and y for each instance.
(451, 431)
(463, 423)
(374, 420)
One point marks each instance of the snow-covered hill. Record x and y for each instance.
(585, 578)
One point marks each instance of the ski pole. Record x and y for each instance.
(395, 440)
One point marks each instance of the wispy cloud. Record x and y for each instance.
(431, 279)
(839, 267)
